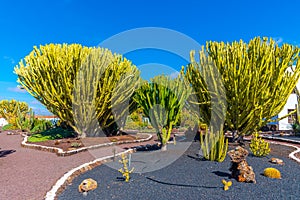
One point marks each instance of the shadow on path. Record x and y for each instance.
(181, 185)
(4, 153)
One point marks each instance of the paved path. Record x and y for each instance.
(27, 174)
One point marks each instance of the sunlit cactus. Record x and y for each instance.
(80, 85)
(11, 110)
(257, 78)
(162, 101)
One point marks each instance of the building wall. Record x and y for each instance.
(3, 122)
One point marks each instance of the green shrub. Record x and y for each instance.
(258, 146)
(9, 127)
(75, 145)
(40, 125)
(51, 134)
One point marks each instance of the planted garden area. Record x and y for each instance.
(98, 96)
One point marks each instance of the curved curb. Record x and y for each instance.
(291, 155)
(70, 175)
(61, 152)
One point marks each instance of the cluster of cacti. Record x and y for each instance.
(85, 87)
(258, 146)
(11, 110)
(162, 101)
(257, 79)
(213, 146)
(25, 121)
(125, 171)
(272, 173)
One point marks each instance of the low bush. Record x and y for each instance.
(9, 127)
(258, 146)
(51, 134)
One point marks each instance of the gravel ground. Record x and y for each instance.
(192, 178)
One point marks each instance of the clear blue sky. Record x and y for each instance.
(89, 22)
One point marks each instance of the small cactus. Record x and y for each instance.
(272, 173)
(226, 184)
(125, 171)
(258, 146)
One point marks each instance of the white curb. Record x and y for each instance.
(61, 152)
(52, 193)
(291, 155)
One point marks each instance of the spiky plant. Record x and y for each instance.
(82, 86)
(256, 76)
(162, 100)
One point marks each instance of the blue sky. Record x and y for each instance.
(25, 24)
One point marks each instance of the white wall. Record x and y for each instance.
(3, 122)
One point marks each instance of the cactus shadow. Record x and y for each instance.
(4, 153)
(222, 174)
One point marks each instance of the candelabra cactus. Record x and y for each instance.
(85, 87)
(258, 146)
(257, 78)
(213, 146)
(125, 171)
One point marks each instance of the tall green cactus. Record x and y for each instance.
(25, 121)
(257, 78)
(12, 109)
(162, 101)
(213, 146)
(79, 84)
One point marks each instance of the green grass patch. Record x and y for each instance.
(9, 127)
(51, 134)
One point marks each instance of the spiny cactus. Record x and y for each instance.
(162, 101)
(82, 86)
(258, 146)
(226, 184)
(11, 110)
(256, 76)
(213, 146)
(125, 171)
(25, 121)
(272, 173)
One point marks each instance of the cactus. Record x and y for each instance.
(82, 86)
(226, 184)
(272, 173)
(125, 171)
(258, 146)
(257, 77)
(11, 110)
(162, 101)
(213, 146)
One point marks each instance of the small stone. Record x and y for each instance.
(87, 185)
(276, 161)
(71, 149)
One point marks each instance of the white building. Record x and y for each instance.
(286, 123)
(3, 122)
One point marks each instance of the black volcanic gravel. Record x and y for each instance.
(192, 178)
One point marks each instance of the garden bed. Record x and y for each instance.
(68, 144)
(192, 178)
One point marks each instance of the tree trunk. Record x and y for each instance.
(163, 147)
